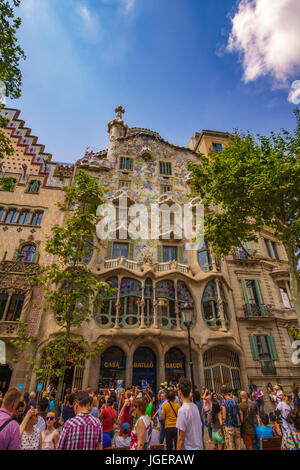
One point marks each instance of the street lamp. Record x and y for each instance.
(188, 314)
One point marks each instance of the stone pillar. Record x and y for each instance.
(129, 366)
(142, 307)
(177, 312)
(155, 323)
(118, 303)
(221, 308)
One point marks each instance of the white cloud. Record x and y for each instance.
(294, 94)
(86, 16)
(266, 35)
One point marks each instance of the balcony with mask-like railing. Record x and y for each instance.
(258, 311)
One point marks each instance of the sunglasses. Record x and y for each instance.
(50, 418)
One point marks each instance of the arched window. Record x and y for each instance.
(105, 312)
(148, 307)
(1, 213)
(165, 295)
(29, 252)
(210, 306)
(37, 219)
(11, 216)
(204, 258)
(34, 186)
(130, 299)
(68, 297)
(24, 217)
(184, 296)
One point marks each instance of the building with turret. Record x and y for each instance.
(241, 305)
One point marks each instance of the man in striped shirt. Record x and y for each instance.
(84, 432)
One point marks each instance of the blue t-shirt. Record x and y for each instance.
(228, 404)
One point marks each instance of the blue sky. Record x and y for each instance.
(165, 61)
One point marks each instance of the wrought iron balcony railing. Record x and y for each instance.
(268, 368)
(240, 254)
(253, 310)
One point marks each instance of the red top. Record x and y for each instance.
(108, 416)
(126, 418)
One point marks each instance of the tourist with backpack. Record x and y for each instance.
(169, 415)
(285, 409)
(231, 421)
(248, 412)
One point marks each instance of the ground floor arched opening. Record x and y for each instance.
(112, 368)
(5, 376)
(221, 367)
(174, 365)
(144, 367)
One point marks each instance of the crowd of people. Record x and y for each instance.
(174, 418)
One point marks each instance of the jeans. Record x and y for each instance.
(207, 425)
(171, 438)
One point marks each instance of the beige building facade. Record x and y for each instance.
(241, 304)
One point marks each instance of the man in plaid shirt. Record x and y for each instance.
(84, 432)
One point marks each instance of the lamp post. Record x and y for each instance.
(188, 313)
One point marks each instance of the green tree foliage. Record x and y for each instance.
(10, 55)
(253, 183)
(72, 290)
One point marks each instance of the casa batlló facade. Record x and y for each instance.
(241, 305)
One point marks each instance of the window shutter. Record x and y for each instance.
(244, 286)
(254, 349)
(131, 247)
(272, 348)
(160, 254)
(131, 164)
(180, 257)
(258, 291)
(16, 254)
(109, 250)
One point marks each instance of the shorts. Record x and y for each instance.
(217, 438)
(248, 440)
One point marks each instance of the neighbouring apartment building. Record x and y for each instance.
(241, 304)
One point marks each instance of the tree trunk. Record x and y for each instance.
(294, 281)
(63, 368)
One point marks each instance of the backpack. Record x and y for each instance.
(235, 416)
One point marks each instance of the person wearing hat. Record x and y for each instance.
(124, 440)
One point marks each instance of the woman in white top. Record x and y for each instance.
(50, 436)
(30, 436)
(141, 433)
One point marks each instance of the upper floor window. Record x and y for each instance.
(11, 216)
(263, 348)
(204, 258)
(11, 306)
(126, 163)
(34, 186)
(124, 184)
(285, 298)
(24, 218)
(165, 188)
(211, 307)
(272, 248)
(37, 218)
(120, 250)
(28, 252)
(217, 147)
(1, 213)
(170, 253)
(165, 168)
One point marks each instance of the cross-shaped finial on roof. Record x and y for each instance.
(120, 110)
